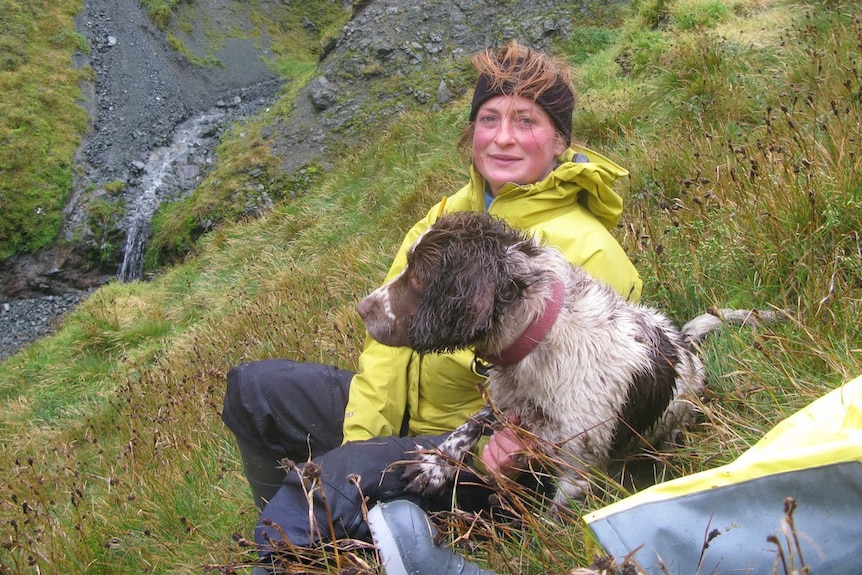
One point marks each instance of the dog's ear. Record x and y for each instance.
(457, 309)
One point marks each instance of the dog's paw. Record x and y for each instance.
(570, 489)
(429, 475)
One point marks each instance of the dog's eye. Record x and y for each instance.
(416, 284)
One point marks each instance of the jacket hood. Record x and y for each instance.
(584, 176)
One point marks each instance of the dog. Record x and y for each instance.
(582, 369)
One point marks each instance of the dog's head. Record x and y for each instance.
(459, 277)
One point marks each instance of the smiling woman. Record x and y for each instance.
(355, 425)
(521, 122)
(514, 141)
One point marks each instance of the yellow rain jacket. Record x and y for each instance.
(572, 208)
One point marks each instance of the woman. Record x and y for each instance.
(354, 426)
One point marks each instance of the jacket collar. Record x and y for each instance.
(573, 181)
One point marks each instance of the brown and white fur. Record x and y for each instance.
(606, 377)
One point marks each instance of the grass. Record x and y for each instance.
(40, 119)
(745, 191)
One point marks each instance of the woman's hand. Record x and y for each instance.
(504, 453)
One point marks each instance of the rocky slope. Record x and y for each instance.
(392, 55)
(142, 91)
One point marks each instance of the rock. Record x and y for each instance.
(188, 171)
(308, 25)
(322, 93)
(444, 94)
(24, 320)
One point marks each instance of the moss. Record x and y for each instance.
(115, 187)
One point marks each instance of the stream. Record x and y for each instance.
(169, 173)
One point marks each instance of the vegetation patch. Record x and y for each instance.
(40, 120)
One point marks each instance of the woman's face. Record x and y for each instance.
(514, 140)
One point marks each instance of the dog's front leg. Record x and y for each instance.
(573, 464)
(572, 487)
(435, 469)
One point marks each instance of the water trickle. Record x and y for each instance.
(168, 174)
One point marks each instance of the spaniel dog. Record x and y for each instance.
(582, 369)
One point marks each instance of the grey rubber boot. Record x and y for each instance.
(404, 536)
(263, 474)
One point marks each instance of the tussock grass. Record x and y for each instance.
(745, 192)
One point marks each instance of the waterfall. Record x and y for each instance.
(137, 234)
(165, 176)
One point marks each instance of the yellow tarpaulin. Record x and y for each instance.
(717, 521)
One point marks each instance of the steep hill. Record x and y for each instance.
(739, 122)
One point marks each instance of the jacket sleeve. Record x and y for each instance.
(379, 390)
(378, 393)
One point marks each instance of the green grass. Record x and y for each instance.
(40, 119)
(746, 190)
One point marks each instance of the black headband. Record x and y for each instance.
(558, 101)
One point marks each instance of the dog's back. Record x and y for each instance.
(607, 377)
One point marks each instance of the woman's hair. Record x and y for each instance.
(516, 70)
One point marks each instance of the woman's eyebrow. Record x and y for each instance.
(521, 109)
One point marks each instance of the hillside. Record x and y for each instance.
(164, 82)
(343, 72)
(739, 122)
(137, 84)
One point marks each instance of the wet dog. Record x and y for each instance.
(582, 369)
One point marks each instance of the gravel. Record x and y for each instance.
(25, 320)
